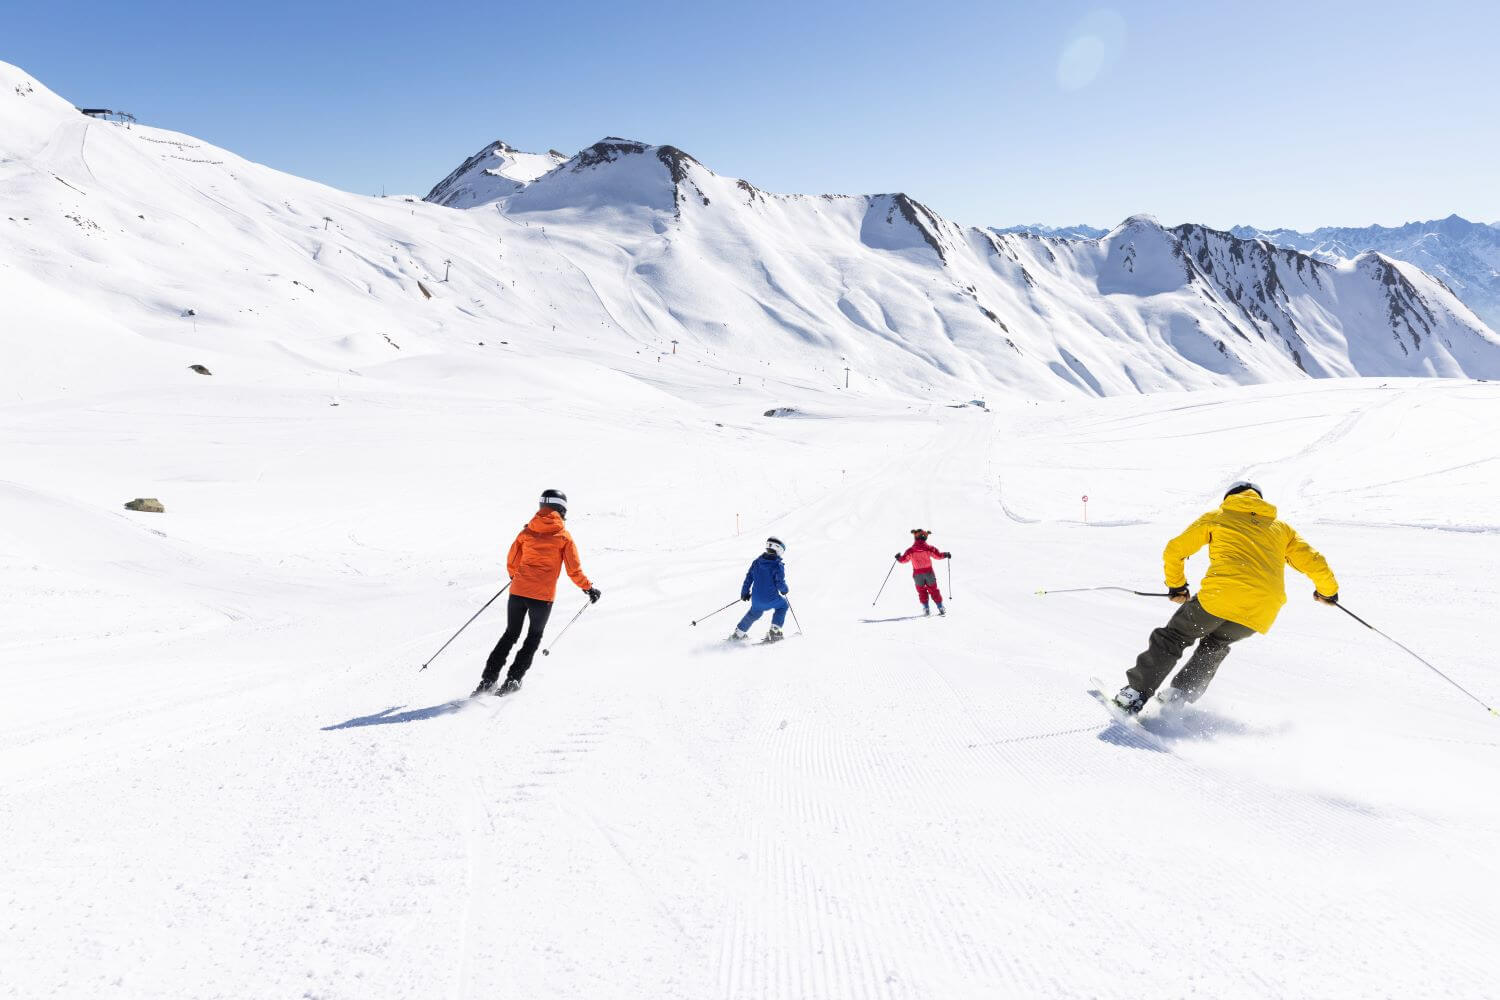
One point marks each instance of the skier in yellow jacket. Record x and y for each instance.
(1241, 594)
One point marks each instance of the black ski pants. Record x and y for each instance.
(516, 613)
(1190, 624)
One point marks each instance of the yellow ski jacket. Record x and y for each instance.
(1247, 550)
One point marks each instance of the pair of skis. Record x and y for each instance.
(767, 641)
(1127, 720)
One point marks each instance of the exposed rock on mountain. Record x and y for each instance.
(495, 171)
(625, 247)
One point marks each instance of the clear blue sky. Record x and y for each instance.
(1272, 113)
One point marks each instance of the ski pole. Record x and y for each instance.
(712, 613)
(466, 625)
(554, 642)
(950, 577)
(883, 583)
(1124, 590)
(794, 617)
(1419, 659)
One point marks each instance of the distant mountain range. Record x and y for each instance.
(123, 249)
(1464, 255)
(1139, 308)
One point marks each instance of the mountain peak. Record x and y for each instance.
(612, 149)
(1456, 251)
(621, 174)
(496, 171)
(1136, 224)
(1078, 232)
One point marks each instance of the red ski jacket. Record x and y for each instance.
(920, 555)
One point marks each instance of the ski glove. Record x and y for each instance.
(947, 555)
(1325, 600)
(744, 597)
(897, 557)
(1179, 595)
(593, 593)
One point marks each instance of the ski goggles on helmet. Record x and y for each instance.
(921, 533)
(776, 545)
(1242, 486)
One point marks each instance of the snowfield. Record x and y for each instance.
(223, 775)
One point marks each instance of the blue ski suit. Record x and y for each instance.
(765, 588)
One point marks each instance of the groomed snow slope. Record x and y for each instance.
(224, 776)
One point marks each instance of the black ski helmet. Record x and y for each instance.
(1242, 486)
(776, 545)
(556, 499)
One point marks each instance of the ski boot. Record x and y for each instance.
(774, 635)
(926, 609)
(942, 612)
(485, 686)
(740, 635)
(1129, 700)
(511, 686)
(1172, 699)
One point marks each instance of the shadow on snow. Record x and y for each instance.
(1158, 732)
(386, 717)
(1125, 735)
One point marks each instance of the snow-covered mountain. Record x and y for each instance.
(626, 247)
(493, 172)
(1140, 309)
(1079, 232)
(1464, 255)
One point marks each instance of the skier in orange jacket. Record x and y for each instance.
(536, 557)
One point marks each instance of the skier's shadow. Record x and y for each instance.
(881, 621)
(394, 715)
(1122, 735)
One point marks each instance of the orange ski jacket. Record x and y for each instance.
(538, 555)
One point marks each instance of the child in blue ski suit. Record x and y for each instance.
(765, 588)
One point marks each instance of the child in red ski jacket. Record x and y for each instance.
(921, 555)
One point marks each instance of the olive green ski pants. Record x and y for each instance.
(1190, 624)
